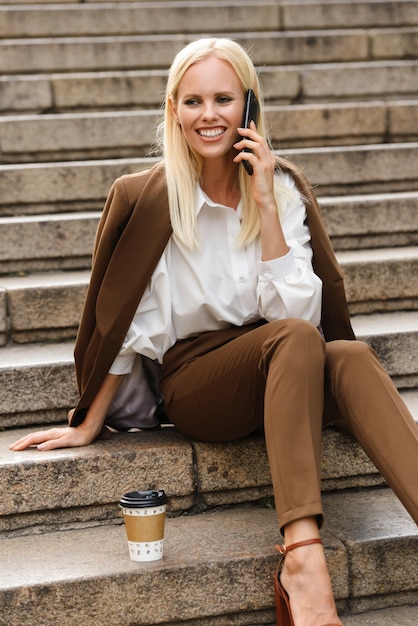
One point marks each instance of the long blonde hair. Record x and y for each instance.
(183, 165)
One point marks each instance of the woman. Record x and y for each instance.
(228, 282)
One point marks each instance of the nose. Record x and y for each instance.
(209, 111)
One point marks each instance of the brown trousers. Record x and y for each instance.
(224, 385)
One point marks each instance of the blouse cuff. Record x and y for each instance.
(277, 268)
(123, 364)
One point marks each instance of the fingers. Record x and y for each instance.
(260, 155)
(45, 440)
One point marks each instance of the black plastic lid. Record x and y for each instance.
(143, 499)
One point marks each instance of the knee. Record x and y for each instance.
(343, 355)
(297, 341)
(297, 331)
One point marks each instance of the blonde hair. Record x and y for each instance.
(183, 165)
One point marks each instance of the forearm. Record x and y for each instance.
(98, 410)
(273, 242)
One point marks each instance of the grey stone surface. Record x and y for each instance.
(373, 564)
(127, 89)
(3, 316)
(108, 90)
(41, 377)
(132, 133)
(144, 88)
(381, 279)
(382, 79)
(327, 124)
(401, 616)
(77, 135)
(65, 487)
(397, 350)
(65, 241)
(83, 185)
(403, 120)
(47, 242)
(96, 475)
(32, 93)
(218, 563)
(359, 169)
(394, 43)
(355, 222)
(36, 378)
(45, 305)
(38, 188)
(92, 19)
(341, 14)
(132, 51)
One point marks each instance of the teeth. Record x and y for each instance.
(211, 133)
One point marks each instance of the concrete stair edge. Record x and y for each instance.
(131, 51)
(378, 280)
(229, 549)
(93, 135)
(195, 475)
(121, 89)
(46, 242)
(28, 372)
(83, 185)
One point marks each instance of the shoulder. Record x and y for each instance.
(133, 184)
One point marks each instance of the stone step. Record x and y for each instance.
(381, 279)
(140, 18)
(57, 54)
(85, 575)
(358, 169)
(44, 306)
(107, 90)
(38, 243)
(401, 615)
(393, 336)
(37, 188)
(112, 18)
(38, 383)
(340, 14)
(371, 220)
(47, 306)
(47, 242)
(195, 475)
(71, 136)
(38, 380)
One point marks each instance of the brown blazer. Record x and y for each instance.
(131, 237)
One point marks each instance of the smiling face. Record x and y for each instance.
(209, 107)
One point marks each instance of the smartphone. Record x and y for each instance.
(251, 110)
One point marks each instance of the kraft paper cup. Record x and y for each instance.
(144, 516)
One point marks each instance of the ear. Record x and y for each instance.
(173, 109)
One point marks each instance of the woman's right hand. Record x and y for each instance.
(66, 437)
(76, 436)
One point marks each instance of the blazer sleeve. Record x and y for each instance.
(335, 317)
(131, 237)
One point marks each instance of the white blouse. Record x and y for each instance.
(220, 284)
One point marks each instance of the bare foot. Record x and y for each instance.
(306, 580)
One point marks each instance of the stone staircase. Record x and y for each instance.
(80, 89)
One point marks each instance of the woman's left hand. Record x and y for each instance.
(273, 242)
(262, 161)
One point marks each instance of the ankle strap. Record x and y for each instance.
(285, 549)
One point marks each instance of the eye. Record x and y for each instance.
(224, 99)
(190, 102)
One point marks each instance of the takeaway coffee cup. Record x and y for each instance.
(144, 516)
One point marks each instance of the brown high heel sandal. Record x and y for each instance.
(283, 612)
